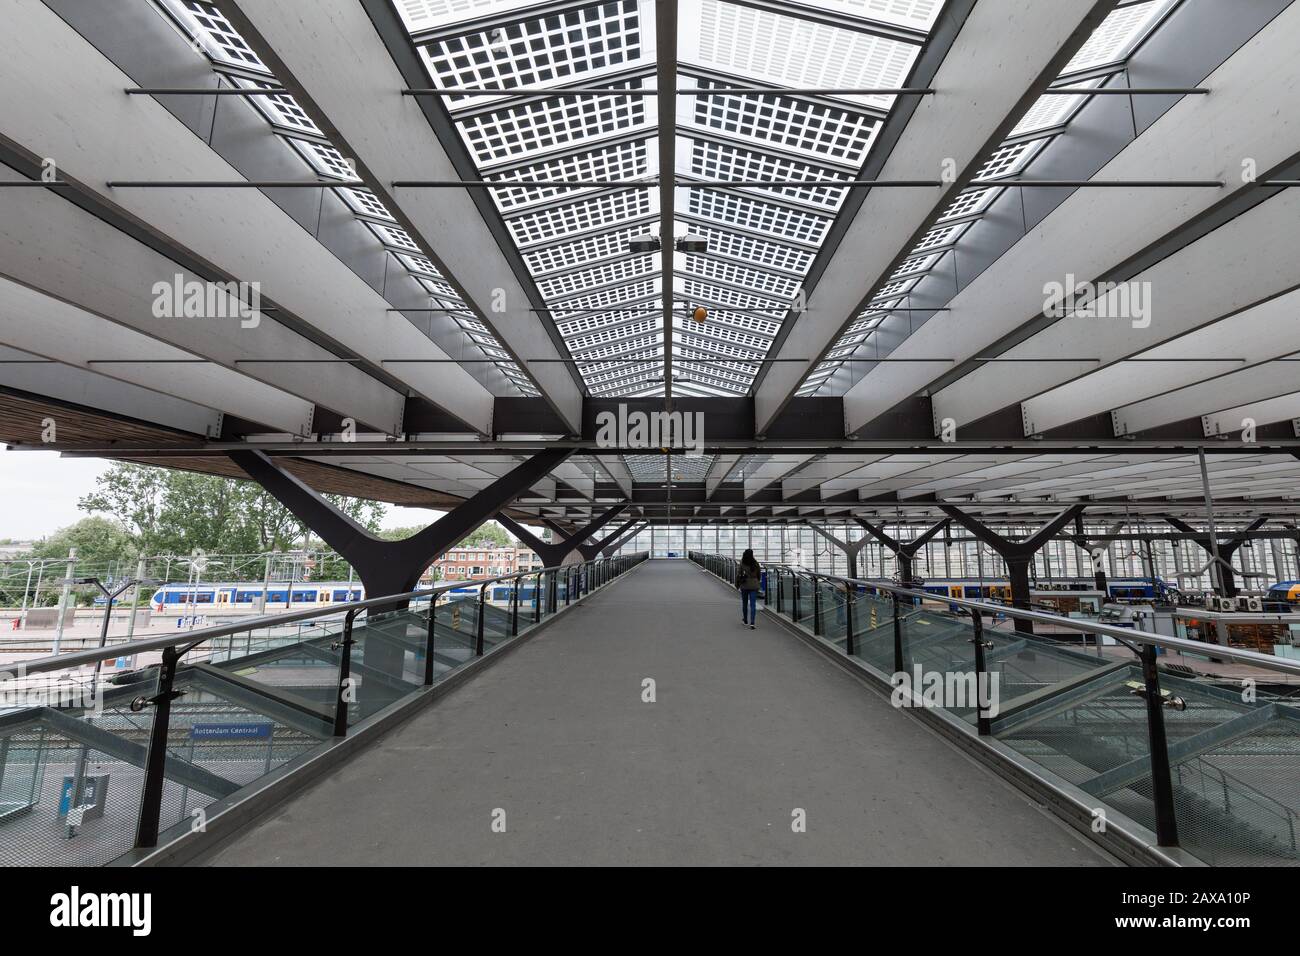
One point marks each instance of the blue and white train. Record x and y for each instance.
(999, 589)
(247, 596)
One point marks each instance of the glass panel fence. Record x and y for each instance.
(74, 745)
(1075, 704)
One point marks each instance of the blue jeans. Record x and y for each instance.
(748, 599)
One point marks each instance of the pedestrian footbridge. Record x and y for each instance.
(617, 712)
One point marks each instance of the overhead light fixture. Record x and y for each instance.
(643, 245)
(692, 243)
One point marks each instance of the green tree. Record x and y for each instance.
(167, 511)
(99, 541)
(104, 550)
(487, 535)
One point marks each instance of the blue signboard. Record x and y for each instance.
(248, 731)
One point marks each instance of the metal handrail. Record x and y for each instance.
(1286, 813)
(1180, 644)
(192, 639)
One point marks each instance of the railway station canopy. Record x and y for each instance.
(883, 254)
(719, 275)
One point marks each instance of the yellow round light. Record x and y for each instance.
(700, 313)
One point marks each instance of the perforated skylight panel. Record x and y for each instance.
(691, 467)
(760, 242)
(427, 14)
(605, 373)
(697, 289)
(457, 308)
(1052, 111)
(916, 14)
(813, 128)
(420, 264)
(724, 323)
(528, 53)
(894, 289)
(735, 372)
(1008, 160)
(573, 283)
(597, 212)
(751, 249)
(219, 39)
(280, 109)
(788, 51)
(327, 161)
(728, 207)
(715, 374)
(592, 329)
(394, 237)
(917, 264)
(629, 348)
(970, 202)
(536, 126)
(582, 251)
(1118, 34)
(622, 161)
(844, 351)
(710, 160)
(687, 339)
(615, 296)
(939, 236)
(647, 467)
(770, 283)
(363, 202)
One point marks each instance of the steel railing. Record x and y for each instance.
(580, 579)
(906, 600)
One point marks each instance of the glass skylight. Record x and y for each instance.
(235, 61)
(604, 300)
(1110, 44)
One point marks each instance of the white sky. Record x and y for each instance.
(39, 492)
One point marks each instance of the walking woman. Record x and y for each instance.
(749, 579)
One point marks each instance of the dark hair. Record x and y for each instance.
(748, 558)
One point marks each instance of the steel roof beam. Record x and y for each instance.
(329, 50)
(57, 247)
(54, 71)
(1235, 121)
(1029, 46)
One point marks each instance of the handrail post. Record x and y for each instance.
(537, 598)
(817, 606)
(514, 607)
(568, 585)
(848, 618)
(899, 667)
(794, 596)
(155, 764)
(344, 647)
(780, 592)
(982, 723)
(428, 642)
(1161, 784)
(482, 604)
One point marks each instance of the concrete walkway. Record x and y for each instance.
(747, 727)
